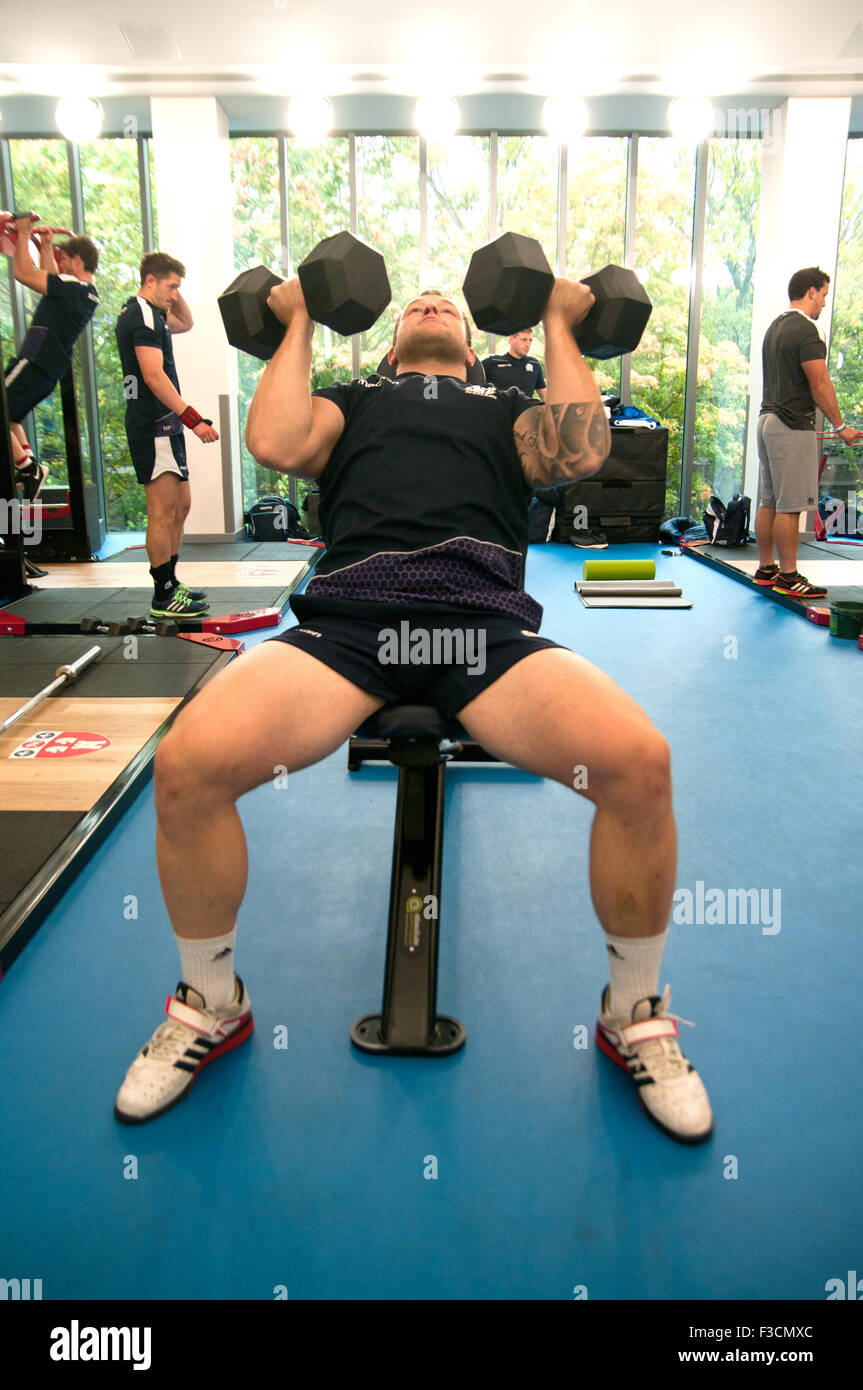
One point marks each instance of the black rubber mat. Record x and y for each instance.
(70, 606)
(727, 562)
(43, 849)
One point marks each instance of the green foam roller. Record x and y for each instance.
(619, 569)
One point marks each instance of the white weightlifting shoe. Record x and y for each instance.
(164, 1071)
(670, 1091)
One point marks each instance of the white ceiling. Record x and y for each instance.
(786, 47)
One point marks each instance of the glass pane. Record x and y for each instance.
(457, 202)
(257, 240)
(388, 217)
(596, 218)
(527, 185)
(154, 209)
(7, 332)
(663, 249)
(40, 178)
(843, 470)
(722, 402)
(112, 212)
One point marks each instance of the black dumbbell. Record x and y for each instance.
(113, 628)
(147, 627)
(509, 281)
(344, 283)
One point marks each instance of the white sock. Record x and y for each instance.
(633, 963)
(208, 966)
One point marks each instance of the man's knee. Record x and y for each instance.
(185, 774)
(641, 773)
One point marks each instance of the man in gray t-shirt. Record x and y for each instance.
(796, 381)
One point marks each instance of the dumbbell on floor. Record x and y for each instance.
(508, 284)
(344, 283)
(113, 628)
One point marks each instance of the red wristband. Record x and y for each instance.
(190, 418)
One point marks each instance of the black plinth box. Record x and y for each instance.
(626, 498)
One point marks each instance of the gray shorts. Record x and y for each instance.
(788, 480)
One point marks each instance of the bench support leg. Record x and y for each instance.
(408, 1024)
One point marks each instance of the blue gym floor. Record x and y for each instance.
(309, 1167)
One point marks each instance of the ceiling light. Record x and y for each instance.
(437, 117)
(309, 118)
(565, 118)
(62, 79)
(79, 119)
(691, 119)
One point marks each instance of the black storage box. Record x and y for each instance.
(626, 498)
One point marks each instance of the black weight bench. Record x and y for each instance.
(420, 742)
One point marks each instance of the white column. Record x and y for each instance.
(193, 203)
(798, 225)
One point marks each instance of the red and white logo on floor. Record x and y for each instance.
(60, 743)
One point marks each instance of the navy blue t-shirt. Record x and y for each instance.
(505, 370)
(64, 310)
(423, 500)
(142, 324)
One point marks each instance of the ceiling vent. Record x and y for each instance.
(151, 42)
(854, 47)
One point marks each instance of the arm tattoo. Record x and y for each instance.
(560, 443)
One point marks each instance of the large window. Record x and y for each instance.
(843, 475)
(288, 196)
(721, 410)
(663, 249)
(112, 215)
(110, 191)
(257, 241)
(40, 176)
(596, 219)
(388, 218)
(527, 195)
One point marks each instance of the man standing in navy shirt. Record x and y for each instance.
(67, 305)
(516, 368)
(155, 416)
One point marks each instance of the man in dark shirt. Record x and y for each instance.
(795, 382)
(69, 300)
(155, 416)
(516, 368)
(425, 481)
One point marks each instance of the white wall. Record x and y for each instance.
(798, 225)
(194, 205)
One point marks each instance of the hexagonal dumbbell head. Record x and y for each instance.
(345, 284)
(618, 318)
(508, 284)
(249, 324)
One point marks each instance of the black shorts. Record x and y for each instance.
(443, 657)
(151, 457)
(26, 386)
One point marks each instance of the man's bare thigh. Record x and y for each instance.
(552, 713)
(274, 707)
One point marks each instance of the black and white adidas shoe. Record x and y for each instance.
(178, 604)
(165, 1069)
(670, 1091)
